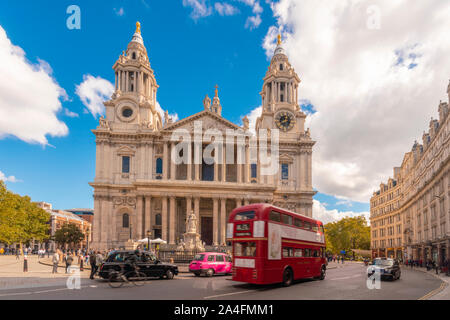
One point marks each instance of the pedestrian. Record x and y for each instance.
(25, 263)
(80, 259)
(55, 261)
(17, 254)
(92, 262)
(69, 260)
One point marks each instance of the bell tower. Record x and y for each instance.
(280, 96)
(134, 98)
(280, 110)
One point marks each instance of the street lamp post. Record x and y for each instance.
(149, 233)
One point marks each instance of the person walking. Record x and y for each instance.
(55, 261)
(93, 264)
(69, 260)
(17, 254)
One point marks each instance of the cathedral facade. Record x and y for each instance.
(141, 188)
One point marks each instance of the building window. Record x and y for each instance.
(253, 169)
(281, 66)
(284, 171)
(125, 221)
(125, 164)
(159, 166)
(134, 55)
(158, 219)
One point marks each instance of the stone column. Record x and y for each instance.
(216, 166)
(189, 164)
(239, 166)
(148, 215)
(197, 208)
(246, 202)
(172, 162)
(149, 167)
(166, 161)
(188, 206)
(238, 203)
(139, 213)
(197, 152)
(96, 224)
(223, 222)
(215, 221)
(172, 221)
(224, 163)
(164, 219)
(247, 164)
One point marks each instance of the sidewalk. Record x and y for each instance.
(441, 293)
(38, 275)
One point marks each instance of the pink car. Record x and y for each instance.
(210, 263)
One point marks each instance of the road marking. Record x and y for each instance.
(228, 294)
(345, 278)
(434, 292)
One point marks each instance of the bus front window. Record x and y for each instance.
(245, 249)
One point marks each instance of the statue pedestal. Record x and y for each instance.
(129, 245)
(192, 242)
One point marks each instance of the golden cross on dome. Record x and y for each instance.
(279, 39)
(216, 86)
(138, 27)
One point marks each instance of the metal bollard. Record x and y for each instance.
(25, 264)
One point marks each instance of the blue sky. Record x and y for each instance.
(188, 54)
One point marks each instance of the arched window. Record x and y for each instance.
(125, 221)
(158, 219)
(134, 55)
(159, 166)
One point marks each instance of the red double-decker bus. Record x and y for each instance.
(273, 245)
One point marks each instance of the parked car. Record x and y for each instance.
(388, 268)
(210, 263)
(147, 263)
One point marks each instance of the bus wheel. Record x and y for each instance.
(287, 277)
(323, 272)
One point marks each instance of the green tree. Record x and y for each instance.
(20, 219)
(347, 233)
(69, 234)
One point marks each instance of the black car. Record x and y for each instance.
(145, 261)
(387, 267)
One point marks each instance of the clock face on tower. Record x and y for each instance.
(285, 120)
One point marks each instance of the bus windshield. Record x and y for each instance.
(245, 249)
(245, 215)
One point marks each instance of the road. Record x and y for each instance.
(347, 282)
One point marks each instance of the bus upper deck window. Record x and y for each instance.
(286, 219)
(297, 222)
(307, 225)
(315, 228)
(246, 215)
(275, 216)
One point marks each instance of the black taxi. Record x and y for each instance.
(146, 262)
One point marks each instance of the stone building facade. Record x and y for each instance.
(139, 187)
(424, 200)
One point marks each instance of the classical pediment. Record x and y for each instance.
(209, 120)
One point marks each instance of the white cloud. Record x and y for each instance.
(200, 8)
(29, 96)
(320, 212)
(119, 12)
(225, 9)
(253, 22)
(93, 92)
(4, 178)
(70, 114)
(374, 89)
